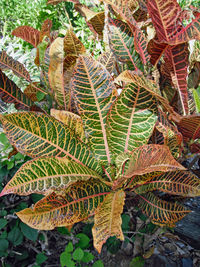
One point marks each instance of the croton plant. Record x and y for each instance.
(118, 125)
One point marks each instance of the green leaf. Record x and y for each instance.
(3, 245)
(15, 236)
(42, 175)
(93, 89)
(40, 96)
(40, 258)
(131, 120)
(19, 156)
(3, 235)
(113, 244)
(3, 139)
(3, 223)
(125, 222)
(83, 241)
(87, 257)
(98, 263)
(65, 260)
(78, 254)
(30, 233)
(137, 262)
(37, 134)
(197, 100)
(69, 247)
(10, 165)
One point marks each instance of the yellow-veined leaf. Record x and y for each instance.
(72, 120)
(151, 158)
(108, 60)
(131, 119)
(55, 74)
(161, 212)
(44, 175)
(72, 45)
(32, 89)
(107, 219)
(182, 183)
(93, 89)
(79, 201)
(121, 41)
(7, 62)
(40, 135)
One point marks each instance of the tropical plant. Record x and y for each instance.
(117, 143)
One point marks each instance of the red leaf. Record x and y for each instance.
(28, 34)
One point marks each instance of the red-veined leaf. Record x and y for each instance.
(165, 16)
(28, 34)
(156, 50)
(44, 175)
(182, 183)
(40, 135)
(7, 62)
(107, 219)
(10, 93)
(109, 61)
(161, 212)
(121, 41)
(93, 89)
(151, 158)
(77, 203)
(189, 126)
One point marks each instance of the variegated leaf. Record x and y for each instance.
(123, 8)
(166, 18)
(151, 158)
(79, 201)
(107, 219)
(109, 61)
(122, 41)
(28, 34)
(44, 175)
(72, 45)
(156, 50)
(161, 212)
(55, 74)
(10, 93)
(7, 62)
(182, 183)
(131, 119)
(32, 89)
(189, 126)
(93, 89)
(39, 135)
(72, 120)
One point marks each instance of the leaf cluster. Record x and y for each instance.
(119, 125)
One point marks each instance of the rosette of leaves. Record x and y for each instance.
(85, 164)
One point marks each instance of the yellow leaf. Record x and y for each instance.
(107, 219)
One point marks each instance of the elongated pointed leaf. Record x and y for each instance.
(10, 93)
(177, 56)
(28, 34)
(44, 175)
(72, 120)
(181, 183)
(39, 135)
(55, 74)
(131, 119)
(121, 41)
(7, 62)
(123, 8)
(161, 212)
(72, 45)
(107, 219)
(93, 89)
(79, 202)
(166, 19)
(151, 158)
(192, 31)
